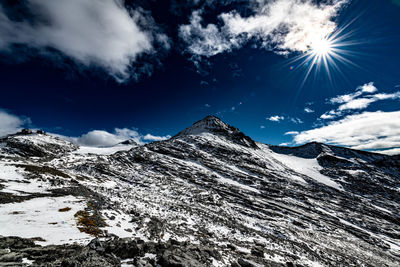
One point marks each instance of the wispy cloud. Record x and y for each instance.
(101, 33)
(296, 120)
(366, 88)
(282, 26)
(363, 96)
(292, 133)
(330, 115)
(204, 41)
(308, 110)
(150, 137)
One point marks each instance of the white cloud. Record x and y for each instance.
(102, 32)
(308, 110)
(284, 144)
(10, 123)
(330, 114)
(150, 137)
(262, 127)
(393, 151)
(282, 26)
(292, 133)
(368, 130)
(327, 116)
(383, 96)
(101, 138)
(276, 118)
(203, 41)
(296, 120)
(360, 99)
(368, 88)
(365, 101)
(360, 103)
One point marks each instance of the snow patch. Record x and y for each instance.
(103, 150)
(307, 167)
(237, 184)
(17, 184)
(40, 217)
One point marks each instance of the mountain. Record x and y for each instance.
(208, 196)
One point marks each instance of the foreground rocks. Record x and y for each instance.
(16, 251)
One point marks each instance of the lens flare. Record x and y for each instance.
(327, 54)
(321, 47)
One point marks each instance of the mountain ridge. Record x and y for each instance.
(205, 197)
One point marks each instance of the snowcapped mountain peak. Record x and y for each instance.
(129, 142)
(208, 124)
(213, 125)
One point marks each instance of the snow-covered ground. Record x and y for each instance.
(308, 167)
(14, 182)
(41, 217)
(103, 150)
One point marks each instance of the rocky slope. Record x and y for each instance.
(209, 196)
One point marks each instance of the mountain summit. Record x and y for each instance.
(214, 125)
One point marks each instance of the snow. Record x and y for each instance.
(27, 261)
(308, 167)
(41, 139)
(126, 263)
(237, 184)
(150, 255)
(16, 182)
(103, 150)
(382, 209)
(356, 172)
(205, 125)
(119, 225)
(40, 217)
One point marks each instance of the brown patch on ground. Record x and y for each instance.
(16, 212)
(89, 223)
(64, 209)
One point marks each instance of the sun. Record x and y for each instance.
(321, 47)
(327, 54)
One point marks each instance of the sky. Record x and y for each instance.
(285, 72)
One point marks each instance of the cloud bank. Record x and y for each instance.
(10, 123)
(92, 33)
(369, 131)
(101, 138)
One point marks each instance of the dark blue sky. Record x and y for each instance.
(244, 86)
